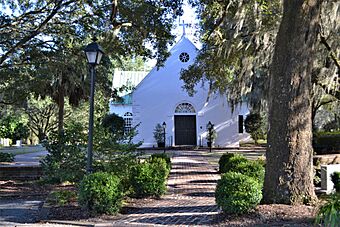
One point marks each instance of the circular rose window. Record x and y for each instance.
(184, 57)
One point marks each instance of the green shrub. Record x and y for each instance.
(163, 156)
(6, 157)
(149, 178)
(237, 193)
(336, 181)
(255, 125)
(61, 197)
(223, 160)
(329, 213)
(229, 161)
(252, 169)
(66, 158)
(326, 142)
(101, 193)
(121, 165)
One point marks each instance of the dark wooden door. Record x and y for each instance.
(185, 130)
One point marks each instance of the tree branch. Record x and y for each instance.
(34, 33)
(331, 52)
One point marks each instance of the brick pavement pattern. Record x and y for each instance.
(190, 199)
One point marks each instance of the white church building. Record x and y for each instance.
(159, 97)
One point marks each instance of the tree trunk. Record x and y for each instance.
(289, 173)
(61, 105)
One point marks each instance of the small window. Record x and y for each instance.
(184, 57)
(127, 122)
(240, 123)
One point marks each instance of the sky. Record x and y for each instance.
(189, 17)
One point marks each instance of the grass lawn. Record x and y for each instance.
(22, 150)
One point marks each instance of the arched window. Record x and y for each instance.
(185, 108)
(127, 122)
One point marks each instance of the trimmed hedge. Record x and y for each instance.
(224, 159)
(228, 162)
(149, 178)
(101, 192)
(327, 143)
(6, 157)
(237, 193)
(253, 169)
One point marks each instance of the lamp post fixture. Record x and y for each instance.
(210, 127)
(94, 54)
(164, 127)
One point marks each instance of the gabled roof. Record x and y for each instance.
(184, 44)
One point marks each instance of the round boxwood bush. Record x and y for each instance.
(253, 169)
(149, 178)
(224, 159)
(237, 193)
(101, 192)
(230, 161)
(163, 156)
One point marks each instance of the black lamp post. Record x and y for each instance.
(164, 127)
(94, 54)
(210, 127)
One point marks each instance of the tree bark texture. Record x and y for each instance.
(289, 169)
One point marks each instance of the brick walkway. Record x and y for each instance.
(190, 198)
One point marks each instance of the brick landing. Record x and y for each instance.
(190, 198)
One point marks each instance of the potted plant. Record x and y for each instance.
(158, 134)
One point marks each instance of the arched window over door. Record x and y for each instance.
(185, 108)
(127, 122)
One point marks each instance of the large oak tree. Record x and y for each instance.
(298, 41)
(289, 172)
